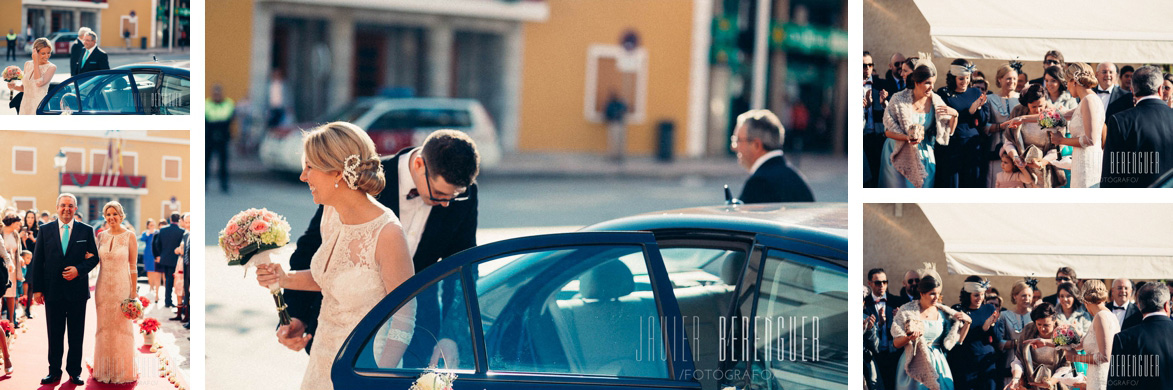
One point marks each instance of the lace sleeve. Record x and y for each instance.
(393, 337)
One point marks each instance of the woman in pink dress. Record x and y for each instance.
(114, 345)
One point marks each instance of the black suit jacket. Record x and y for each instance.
(76, 51)
(1116, 94)
(869, 309)
(1143, 134)
(776, 181)
(1122, 103)
(1141, 356)
(49, 262)
(448, 230)
(97, 61)
(889, 84)
(164, 245)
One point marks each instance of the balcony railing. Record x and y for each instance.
(102, 180)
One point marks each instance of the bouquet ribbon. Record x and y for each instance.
(266, 257)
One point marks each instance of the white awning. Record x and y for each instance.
(1128, 31)
(1099, 240)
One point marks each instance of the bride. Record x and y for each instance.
(1086, 125)
(363, 255)
(37, 74)
(114, 345)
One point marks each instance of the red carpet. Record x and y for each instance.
(30, 348)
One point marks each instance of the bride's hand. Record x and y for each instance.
(293, 336)
(269, 274)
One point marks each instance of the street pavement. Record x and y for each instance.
(118, 57)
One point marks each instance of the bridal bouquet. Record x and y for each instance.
(1065, 335)
(251, 238)
(132, 308)
(434, 380)
(1051, 119)
(12, 73)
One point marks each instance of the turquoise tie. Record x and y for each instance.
(65, 239)
(84, 58)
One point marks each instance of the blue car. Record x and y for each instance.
(751, 296)
(137, 89)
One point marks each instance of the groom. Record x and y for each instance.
(64, 256)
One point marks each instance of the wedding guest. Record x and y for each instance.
(906, 69)
(871, 345)
(981, 85)
(31, 230)
(1057, 94)
(1023, 81)
(1141, 133)
(1121, 304)
(908, 289)
(875, 99)
(12, 246)
(1014, 319)
(1029, 144)
(76, 50)
(1070, 309)
(894, 79)
(925, 329)
(1064, 274)
(165, 242)
(1034, 359)
(1106, 87)
(994, 298)
(1149, 339)
(1051, 58)
(757, 140)
(6, 267)
(1012, 176)
(45, 217)
(974, 361)
(1167, 90)
(960, 164)
(1126, 77)
(879, 307)
(911, 124)
(999, 106)
(1097, 342)
(153, 275)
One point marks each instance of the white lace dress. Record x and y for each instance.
(1086, 161)
(1097, 374)
(35, 90)
(349, 275)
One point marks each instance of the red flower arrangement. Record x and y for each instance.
(144, 300)
(6, 326)
(149, 325)
(24, 301)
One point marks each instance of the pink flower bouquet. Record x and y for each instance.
(256, 232)
(1051, 119)
(12, 73)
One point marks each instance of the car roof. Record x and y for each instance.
(781, 219)
(182, 67)
(454, 103)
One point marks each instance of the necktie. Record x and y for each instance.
(84, 58)
(413, 194)
(1112, 306)
(1097, 90)
(65, 239)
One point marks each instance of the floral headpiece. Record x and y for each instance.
(973, 287)
(349, 173)
(962, 70)
(1032, 282)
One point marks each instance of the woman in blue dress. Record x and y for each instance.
(925, 328)
(975, 361)
(153, 276)
(915, 107)
(962, 163)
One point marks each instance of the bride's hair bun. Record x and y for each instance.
(344, 147)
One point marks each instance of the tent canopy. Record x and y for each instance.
(1103, 241)
(1128, 31)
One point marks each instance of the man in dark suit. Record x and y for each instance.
(1124, 102)
(166, 241)
(77, 50)
(757, 140)
(875, 100)
(894, 79)
(880, 306)
(1141, 354)
(62, 260)
(1139, 145)
(442, 173)
(1063, 275)
(184, 251)
(1107, 89)
(1120, 301)
(93, 58)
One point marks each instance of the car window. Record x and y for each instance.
(415, 118)
(347, 114)
(64, 99)
(148, 83)
(801, 324)
(583, 310)
(175, 95)
(421, 334)
(107, 93)
(704, 282)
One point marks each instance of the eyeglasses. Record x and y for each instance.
(428, 179)
(897, 63)
(880, 282)
(1050, 62)
(869, 65)
(1062, 279)
(913, 281)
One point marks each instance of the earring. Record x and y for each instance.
(335, 184)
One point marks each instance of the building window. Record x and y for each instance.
(23, 203)
(74, 160)
(130, 163)
(169, 208)
(613, 71)
(24, 160)
(172, 168)
(98, 161)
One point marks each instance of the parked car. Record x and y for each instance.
(752, 296)
(59, 41)
(1165, 181)
(136, 89)
(394, 124)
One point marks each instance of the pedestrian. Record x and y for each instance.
(10, 51)
(614, 113)
(218, 115)
(757, 140)
(277, 98)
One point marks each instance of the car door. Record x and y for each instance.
(799, 334)
(173, 95)
(106, 92)
(583, 310)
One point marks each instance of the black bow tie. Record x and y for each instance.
(1097, 90)
(413, 194)
(1112, 306)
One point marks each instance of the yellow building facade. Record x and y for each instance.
(109, 18)
(155, 176)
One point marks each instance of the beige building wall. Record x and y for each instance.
(10, 20)
(899, 238)
(151, 148)
(228, 39)
(897, 26)
(112, 21)
(555, 65)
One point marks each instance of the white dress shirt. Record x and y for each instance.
(1105, 96)
(413, 213)
(1121, 312)
(762, 160)
(61, 228)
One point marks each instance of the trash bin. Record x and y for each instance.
(144, 43)
(664, 130)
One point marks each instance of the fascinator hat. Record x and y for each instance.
(976, 287)
(962, 70)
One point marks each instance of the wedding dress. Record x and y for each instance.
(1086, 161)
(348, 273)
(114, 345)
(1097, 374)
(34, 93)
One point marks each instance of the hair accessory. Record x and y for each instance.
(1016, 65)
(972, 287)
(1032, 282)
(348, 171)
(962, 70)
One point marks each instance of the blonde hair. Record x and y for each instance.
(1082, 74)
(1018, 287)
(116, 206)
(328, 148)
(41, 43)
(1094, 291)
(1002, 71)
